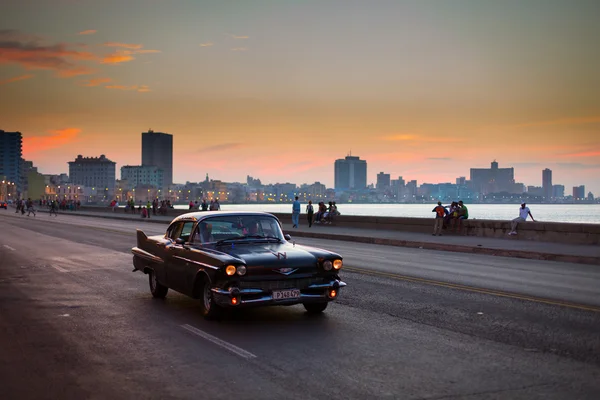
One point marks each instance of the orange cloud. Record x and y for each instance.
(239, 49)
(88, 32)
(124, 45)
(117, 58)
(207, 44)
(76, 71)
(28, 52)
(239, 37)
(96, 82)
(593, 153)
(138, 88)
(146, 51)
(52, 140)
(16, 78)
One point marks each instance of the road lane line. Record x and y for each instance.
(226, 345)
(59, 269)
(473, 289)
(10, 248)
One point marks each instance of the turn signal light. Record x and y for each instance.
(337, 264)
(234, 301)
(332, 293)
(230, 270)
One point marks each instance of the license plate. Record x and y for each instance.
(286, 294)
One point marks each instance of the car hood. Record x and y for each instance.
(271, 255)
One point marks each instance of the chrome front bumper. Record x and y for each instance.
(314, 293)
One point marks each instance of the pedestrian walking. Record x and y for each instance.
(53, 207)
(309, 213)
(295, 212)
(440, 213)
(30, 208)
(523, 214)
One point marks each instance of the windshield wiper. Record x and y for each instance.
(235, 238)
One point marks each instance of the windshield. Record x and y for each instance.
(250, 227)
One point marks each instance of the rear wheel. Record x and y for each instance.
(156, 288)
(315, 308)
(208, 307)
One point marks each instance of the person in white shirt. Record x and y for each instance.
(523, 213)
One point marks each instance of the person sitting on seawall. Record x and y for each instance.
(463, 213)
(523, 213)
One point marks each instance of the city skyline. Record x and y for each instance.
(279, 91)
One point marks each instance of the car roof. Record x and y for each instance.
(199, 216)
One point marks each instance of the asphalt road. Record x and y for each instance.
(76, 323)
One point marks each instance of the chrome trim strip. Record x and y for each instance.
(196, 263)
(148, 256)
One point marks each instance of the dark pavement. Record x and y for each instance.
(76, 323)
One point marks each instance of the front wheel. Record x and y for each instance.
(158, 290)
(315, 308)
(208, 307)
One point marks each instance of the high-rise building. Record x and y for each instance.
(493, 180)
(137, 175)
(461, 180)
(558, 191)
(95, 172)
(157, 151)
(579, 192)
(11, 145)
(350, 173)
(547, 183)
(383, 181)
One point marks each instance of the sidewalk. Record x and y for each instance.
(582, 254)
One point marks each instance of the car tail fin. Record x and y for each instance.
(141, 237)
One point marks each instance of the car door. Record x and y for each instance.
(180, 254)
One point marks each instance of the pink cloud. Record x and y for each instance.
(88, 32)
(16, 79)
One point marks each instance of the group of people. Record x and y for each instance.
(325, 215)
(53, 205)
(204, 206)
(451, 217)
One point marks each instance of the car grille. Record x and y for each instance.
(301, 283)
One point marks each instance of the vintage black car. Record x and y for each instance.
(235, 260)
(4, 205)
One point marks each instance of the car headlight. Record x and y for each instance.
(241, 270)
(337, 264)
(230, 270)
(327, 265)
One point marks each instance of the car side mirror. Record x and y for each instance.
(179, 241)
(287, 237)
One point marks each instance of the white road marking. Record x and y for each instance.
(59, 269)
(226, 345)
(10, 248)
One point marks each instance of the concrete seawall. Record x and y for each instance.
(538, 231)
(557, 232)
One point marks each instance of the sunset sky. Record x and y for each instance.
(279, 89)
